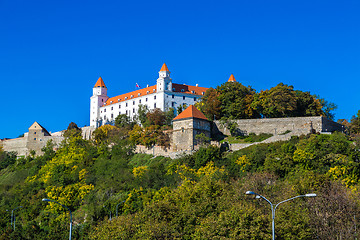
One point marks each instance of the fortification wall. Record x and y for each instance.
(16, 145)
(276, 126)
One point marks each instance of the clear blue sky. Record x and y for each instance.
(52, 52)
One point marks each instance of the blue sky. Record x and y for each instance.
(52, 52)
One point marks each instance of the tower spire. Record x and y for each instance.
(100, 83)
(164, 68)
(232, 78)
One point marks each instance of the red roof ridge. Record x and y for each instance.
(131, 95)
(100, 83)
(191, 112)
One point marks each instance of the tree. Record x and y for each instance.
(236, 101)
(327, 108)
(106, 134)
(210, 105)
(355, 124)
(279, 101)
(123, 121)
(141, 114)
(72, 131)
(156, 117)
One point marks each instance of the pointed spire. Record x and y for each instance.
(164, 68)
(232, 78)
(100, 83)
(191, 112)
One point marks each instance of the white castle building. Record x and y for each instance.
(164, 95)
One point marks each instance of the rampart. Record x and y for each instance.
(276, 126)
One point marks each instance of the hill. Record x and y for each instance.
(199, 196)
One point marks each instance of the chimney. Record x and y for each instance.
(147, 85)
(197, 85)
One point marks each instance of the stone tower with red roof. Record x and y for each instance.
(186, 126)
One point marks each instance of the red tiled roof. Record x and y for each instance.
(164, 68)
(191, 112)
(145, 91)
(232, 78)
(100, 83)
(189, 89)
(131, 95)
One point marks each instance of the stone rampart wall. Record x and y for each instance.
(276, 126)
(16, 145)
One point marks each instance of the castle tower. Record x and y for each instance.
(164, 82)
(97, 100)
(186, 126)
(232, 78)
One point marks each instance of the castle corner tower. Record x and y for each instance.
(164, 82)
(97, 100)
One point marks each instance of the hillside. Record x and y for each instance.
(199, 196)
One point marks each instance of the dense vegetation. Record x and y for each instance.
(232, 100)
(199, 196)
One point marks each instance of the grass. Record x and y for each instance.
(252, 137)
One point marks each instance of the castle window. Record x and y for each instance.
(105, 110)
(140, 101)
(133, 102)
(119, 105)
(194, 98)
(182, 90)
(155, 97)
(183, 97)
(112, 115)
(126, 104)
(112, 108)
(154, 105)
(172, 104)
(145, 99)
(133, 110)
(173, 96)
(102, 100)
(202, 93)
(126, 112)
(192, 91)
(174, 89)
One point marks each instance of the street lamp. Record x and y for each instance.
(108, 210)
(274, 208)
(13, 219)
(117, 207)
(49, 200)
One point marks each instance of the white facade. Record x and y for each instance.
(163, 95)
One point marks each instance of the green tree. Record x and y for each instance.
(72, 131)
(236, 101)
(210, 104)
(141, 114)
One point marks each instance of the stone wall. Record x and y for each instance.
(16, 145)
(276, 126)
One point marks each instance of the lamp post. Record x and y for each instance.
(273, 209)
(108, 210)
(13, 219)
(117, 207)
(49, 200)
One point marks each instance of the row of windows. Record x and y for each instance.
(126, 112)
(131, 96)
(126, 104)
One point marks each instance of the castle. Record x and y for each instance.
(164, 95)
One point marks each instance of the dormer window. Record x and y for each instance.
(131, 96)
(202, 93)
(192, 91)
(111, 102)
(126, 98)
(147, 92)
(139, 94)
(119, 99)
(154, 90)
